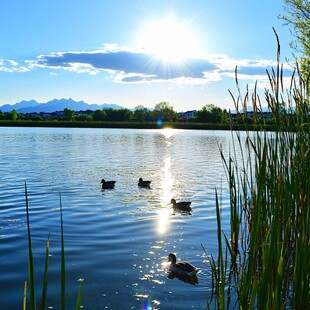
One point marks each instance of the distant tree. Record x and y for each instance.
(99, 115)
(298, 18)
(164, 111)
(202, 116)
(224, 117)
(68, 115)
(83, 117)
(124, 115)
(13, 115)
(209, 114)
(118, 115)
(35, 117)
(141, 113)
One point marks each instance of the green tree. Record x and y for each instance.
(13, 115)
(141, 113)
(164, 111)
(209, 114)
(99, 115)
(83, 117)
(298, 18)
(118, 115)
(224, 117)
(31, 117)
(68, 115)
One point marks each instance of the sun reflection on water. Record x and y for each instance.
(168, 132)
(167, 181)
(164, 211)
(163, 220)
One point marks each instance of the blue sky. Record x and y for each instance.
(131, 52)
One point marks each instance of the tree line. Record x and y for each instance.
(162, 111)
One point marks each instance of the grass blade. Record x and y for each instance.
(45, 279)
(79, 299)
(63, 269)
(25, 296)
(30, 258)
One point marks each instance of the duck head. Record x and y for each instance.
(173, 201)
(172, 258)
(102, 181)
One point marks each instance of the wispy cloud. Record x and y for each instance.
(7, 65)
(136, 66)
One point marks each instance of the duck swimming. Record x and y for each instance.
(145, 184)
(182, 205)
(181, 268)
(193, 279)
(107, 184)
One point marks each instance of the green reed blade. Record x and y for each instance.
(30, 258)
(63, 269)
(45, 278)
(79, 298)
(253, 293)
(269, 186)
(25, 296)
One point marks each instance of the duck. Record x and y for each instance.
(181, 268)
(143, 183)
(193, 280)
(107, 184)
(181, 206)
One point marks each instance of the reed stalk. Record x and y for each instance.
(79, 298)
(45, 278)
(32, 302)
(63, 265)
(269, 242)
(32, 299)
(25, 296)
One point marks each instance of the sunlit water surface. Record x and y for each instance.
(116, 240)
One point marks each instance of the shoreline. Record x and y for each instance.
(133, 125)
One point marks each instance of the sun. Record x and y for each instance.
(169, 40)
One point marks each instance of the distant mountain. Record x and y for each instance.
(55, 105)
(19, 105)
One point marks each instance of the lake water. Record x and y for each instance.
(117, 240)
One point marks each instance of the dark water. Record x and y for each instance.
(116, 240)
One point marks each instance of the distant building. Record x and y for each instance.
(186, 115)
(87, 112)
(265, 113)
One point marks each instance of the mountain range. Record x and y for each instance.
(55, 105)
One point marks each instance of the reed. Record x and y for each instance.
(268, 244)
(31, 272)
(32, 302)
(63, 264)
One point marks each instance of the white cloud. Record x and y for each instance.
(7, 65)
(126, 65)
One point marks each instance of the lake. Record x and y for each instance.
(117, 240)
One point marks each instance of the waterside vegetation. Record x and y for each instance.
(29, 286)
(263, 261)
(163, 116)
(209, 117)
(129, 125)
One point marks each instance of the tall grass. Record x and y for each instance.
(268, 246)
(31, 272)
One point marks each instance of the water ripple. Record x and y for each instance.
(123, 234)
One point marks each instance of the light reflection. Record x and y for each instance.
(167, 181)
(164, 212)
(163, 220)
(168, 132)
